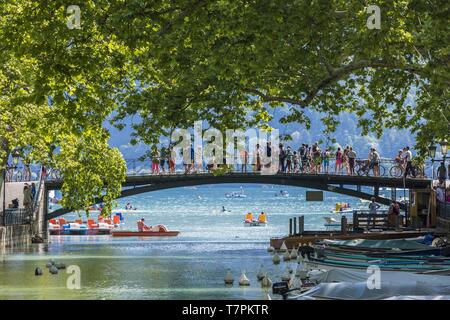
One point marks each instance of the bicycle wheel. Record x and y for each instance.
(382, 171)
(362, 172)
(396, 171)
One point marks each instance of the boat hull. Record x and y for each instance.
(328, 264)
(255, 224)
(314, 236)
(144, 234)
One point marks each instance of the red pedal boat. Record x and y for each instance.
(156, 231)
(144, 234)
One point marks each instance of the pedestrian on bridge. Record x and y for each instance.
(163, 159)
(351, 160)
(155, 160)
(407, 156)
(281, 158)
(326, 155)
(338, 164)
(244, 160)
(170, 160)
(27, 198)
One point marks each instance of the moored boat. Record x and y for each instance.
(74, 228)
(255, 223)
(155, 231)
(411, 266)
(144, 233)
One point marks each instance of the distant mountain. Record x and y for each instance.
(347, 133)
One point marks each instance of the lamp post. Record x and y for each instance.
(15, 158)
(432, 154)
(444, 148)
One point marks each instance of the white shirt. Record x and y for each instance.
(407, 155)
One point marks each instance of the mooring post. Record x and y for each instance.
(290, 226)
(295, 225)
(344, 224)
(301, 224)
(355, 220)
(397, 222)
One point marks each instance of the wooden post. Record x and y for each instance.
(355, 219)
(301, 224)
(295, 225)
(343, 224)
(397, 221)
(290, 226)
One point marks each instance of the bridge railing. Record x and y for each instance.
(23, 173)
(136, 167)
(16, 217)
(365, 219)
(387, 168)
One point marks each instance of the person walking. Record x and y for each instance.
(258, 158)
(345, 160)
(407, 156)
(27, 199)
(33, 190)
(289, 158)
(317, 156)
(155, 160)
(338, 164)
(163, 159)
(376, 158)
(326, 160)
(351, 160)
(282, 158)
(171, 160)
(302, 158)
(244, 160)
(269, 154)
(296, 162)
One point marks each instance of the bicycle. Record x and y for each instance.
(362, 168)
(398, 171)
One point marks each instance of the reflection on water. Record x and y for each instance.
(137, 269)
(190, 266)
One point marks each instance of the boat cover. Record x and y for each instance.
(353, 276)
(401, 244)
(419, 298)
(360, 291)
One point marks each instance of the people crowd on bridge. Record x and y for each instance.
(307, 159)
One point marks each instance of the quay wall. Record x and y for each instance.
(16, 235)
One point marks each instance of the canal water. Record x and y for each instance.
(190, 266)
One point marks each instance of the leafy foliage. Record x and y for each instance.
(169, 63)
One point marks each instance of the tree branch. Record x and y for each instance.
(335, 75)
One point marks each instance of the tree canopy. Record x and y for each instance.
(222, 60)
(169, 63)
